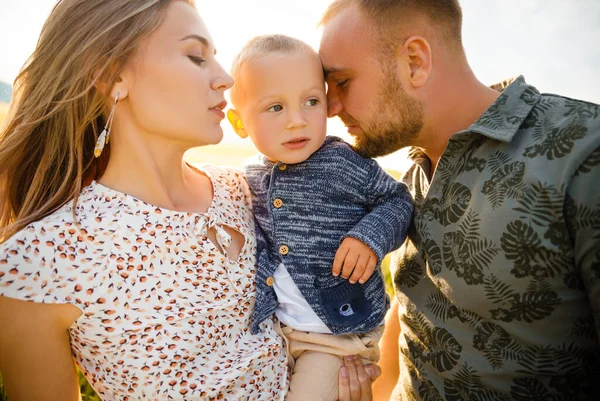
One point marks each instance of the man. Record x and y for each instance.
(498, 286)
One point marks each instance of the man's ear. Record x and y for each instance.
(236, 122)
(416, 59)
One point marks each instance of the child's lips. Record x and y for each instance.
(296, 143)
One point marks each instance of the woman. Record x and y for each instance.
(137, 265)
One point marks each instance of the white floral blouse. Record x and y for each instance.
(166, 314)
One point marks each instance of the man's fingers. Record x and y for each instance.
(364, 380)
(355, 390)
(343, 385)
(374, 371)
(359, 269)
(338, 261)
(369, 270)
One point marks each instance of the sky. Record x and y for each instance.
(555, 44)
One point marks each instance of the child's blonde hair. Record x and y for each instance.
(261, 46)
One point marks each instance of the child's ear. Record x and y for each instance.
(236, 123)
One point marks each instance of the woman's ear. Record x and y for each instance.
(121, 88)
(236, 123)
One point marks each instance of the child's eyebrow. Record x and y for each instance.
(200, 39)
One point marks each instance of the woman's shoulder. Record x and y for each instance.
(229, 175)
(49, 259)
(231, 179)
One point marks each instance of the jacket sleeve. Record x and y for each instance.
(582, 214)
(390, 207)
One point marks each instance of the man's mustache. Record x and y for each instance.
(347, 120)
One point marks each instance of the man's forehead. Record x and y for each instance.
(345, 35)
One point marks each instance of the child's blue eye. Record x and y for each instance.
(311, 102)
(276, 108)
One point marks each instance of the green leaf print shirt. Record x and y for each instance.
(499, 281)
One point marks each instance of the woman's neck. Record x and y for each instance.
(152, 168)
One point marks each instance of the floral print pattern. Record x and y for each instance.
(166, 314)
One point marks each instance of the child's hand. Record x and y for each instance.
(356, 258)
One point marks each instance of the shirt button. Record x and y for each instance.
(283, 249)
(270, 281)
(277, 203)
(282, 167)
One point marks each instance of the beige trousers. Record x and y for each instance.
(315, 360)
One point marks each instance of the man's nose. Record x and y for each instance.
(334, 105)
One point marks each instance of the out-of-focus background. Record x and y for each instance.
(553, 43)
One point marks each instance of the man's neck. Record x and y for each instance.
(459, 103)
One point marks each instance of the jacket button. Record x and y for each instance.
(282, 167)
(270, 281)
(284, 250)
(277, 203)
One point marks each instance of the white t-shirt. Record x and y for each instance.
(293, 310)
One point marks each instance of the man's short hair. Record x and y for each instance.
(262, 46)
(389, 16)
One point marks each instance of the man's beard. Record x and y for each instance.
(396, 123)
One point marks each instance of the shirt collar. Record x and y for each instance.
(504, 117)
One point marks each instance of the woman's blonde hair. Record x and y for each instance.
(57, 111)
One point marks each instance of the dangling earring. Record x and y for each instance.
(105, 135)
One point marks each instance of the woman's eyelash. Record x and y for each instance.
(196, 60)
(341, 83)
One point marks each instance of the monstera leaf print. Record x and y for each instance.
(523, 246)
(434, 256)
(409, 273)
(444, 350)
(557, 142)
(455, 202)
(528, 307)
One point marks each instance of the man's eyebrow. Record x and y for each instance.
(199, 38)
(329, 71)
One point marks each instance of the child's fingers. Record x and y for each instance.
(338, 260)
(369, 270)
(349, 263)
(359, 269)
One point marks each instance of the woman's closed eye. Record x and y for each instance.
(197, 60)
(275, 108)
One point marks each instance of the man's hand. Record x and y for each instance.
(355, 380)
(354, 260)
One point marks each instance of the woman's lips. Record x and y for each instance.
(218, 112)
